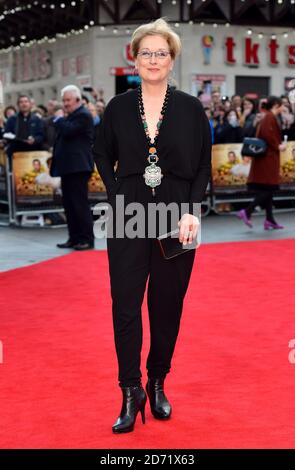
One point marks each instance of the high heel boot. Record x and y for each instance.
(160, 406)
(134, 400)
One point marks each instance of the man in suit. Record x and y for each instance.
(73, 161)
(27, 128)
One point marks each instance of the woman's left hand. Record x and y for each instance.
(188, 226)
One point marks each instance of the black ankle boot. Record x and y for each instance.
(160, 406)
(134, 400)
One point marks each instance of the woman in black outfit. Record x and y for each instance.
(157, 129)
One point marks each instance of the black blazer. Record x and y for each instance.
(72, 151)
(227, 134)
(184, 142)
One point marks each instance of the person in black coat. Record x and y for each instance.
(27, 128)
(147, 131)
(248, 118)
(230, 132)
(73, 161)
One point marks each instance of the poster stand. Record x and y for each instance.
(33, 193)
(230, 171)
(31, 210)
(4, 190)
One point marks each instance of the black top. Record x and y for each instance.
(23, 130)
(72, 151)
(184, 141)
(227, 134)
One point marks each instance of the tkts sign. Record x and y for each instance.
(252, 50)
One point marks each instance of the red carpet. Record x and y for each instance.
(231, 384)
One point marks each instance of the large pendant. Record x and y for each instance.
(153, 174)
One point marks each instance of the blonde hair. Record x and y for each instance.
(158, 27)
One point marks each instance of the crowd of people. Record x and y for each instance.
(28, 126)
(67, 130)
(232, 119)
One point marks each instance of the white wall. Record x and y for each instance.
(43, 90)
(192, 57)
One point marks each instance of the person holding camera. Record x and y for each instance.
(73, 161)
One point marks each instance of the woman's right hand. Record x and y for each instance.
(282, 147)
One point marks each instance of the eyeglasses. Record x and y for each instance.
(146, 55)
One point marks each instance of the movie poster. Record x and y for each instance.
(230, 169)
(96, 188)
(32, 181)
(287, 180)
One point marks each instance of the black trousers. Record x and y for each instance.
(263, 198)
(135, 263)
(75, 201)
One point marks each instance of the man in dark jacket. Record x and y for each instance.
(73, 161)
(26, 129)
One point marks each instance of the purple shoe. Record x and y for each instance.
(270, 225)
(243, 216)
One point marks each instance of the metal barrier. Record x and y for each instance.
(29, 206)
(5, 190)
(27, 202)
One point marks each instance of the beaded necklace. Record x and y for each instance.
(152, 174)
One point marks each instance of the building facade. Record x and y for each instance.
(233, 59)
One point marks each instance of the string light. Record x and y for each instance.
(73, 3)
(44, 5)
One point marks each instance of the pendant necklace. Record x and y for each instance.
(152, 174)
